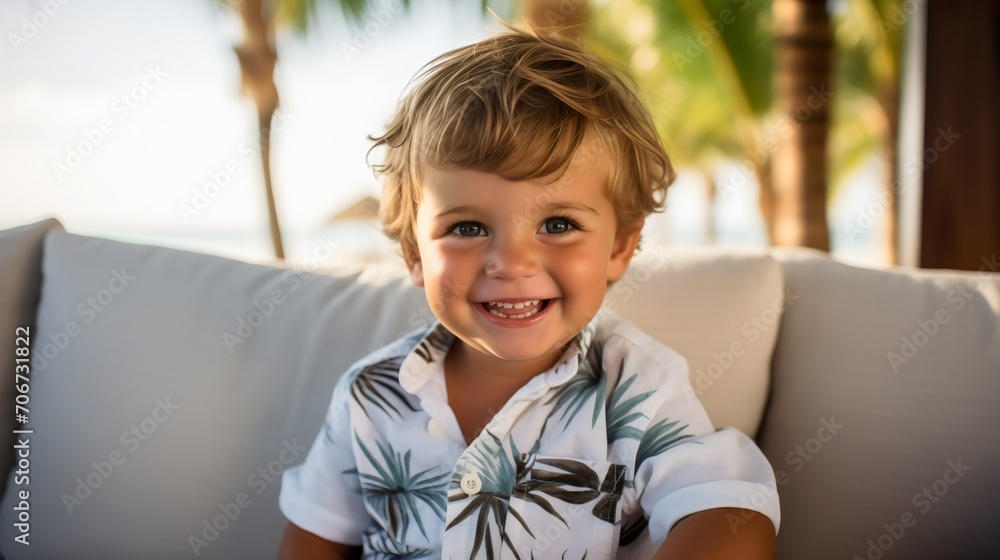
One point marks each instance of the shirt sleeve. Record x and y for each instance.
(683, 465)
(323, 494)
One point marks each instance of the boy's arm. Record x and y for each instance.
(711, 535)
(298, 544)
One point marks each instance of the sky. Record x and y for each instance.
(125, 120)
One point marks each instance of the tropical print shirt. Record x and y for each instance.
(595, 458)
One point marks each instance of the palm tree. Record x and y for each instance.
(257, 60)
(258, 57)
(706, 64)
(709, 72)
(803, 71)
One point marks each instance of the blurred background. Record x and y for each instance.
(239, 127)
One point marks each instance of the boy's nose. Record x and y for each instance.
(512, 258)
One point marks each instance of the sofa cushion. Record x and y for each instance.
(884, 409)
(721, 310)
(20, 280)
(173, 388)
(170, 391)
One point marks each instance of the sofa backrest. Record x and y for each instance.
(171, 389)
(20, 283)
(882, 424)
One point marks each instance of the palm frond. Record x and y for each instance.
(588, 383)
(378, 385)
(658, 438)
(387, 548)
(439, 339)
(393, 493)
(632, 529)
(620, 412)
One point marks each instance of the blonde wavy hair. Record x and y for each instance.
(519, 104)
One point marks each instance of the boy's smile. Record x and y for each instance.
(515, 269)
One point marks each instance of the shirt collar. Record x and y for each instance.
(426, 357)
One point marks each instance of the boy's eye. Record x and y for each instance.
(468, 229)
(556, 226)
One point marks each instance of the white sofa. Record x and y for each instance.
(170, 389)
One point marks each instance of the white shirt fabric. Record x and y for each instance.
(598, 456)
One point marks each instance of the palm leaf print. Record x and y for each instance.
(658, 438)
(328, 433)
(606, 509)
(386, 548)
(393, 492)
(632, 529)
(620, 412)
(577, 484)
(497, 474)
(495, 468)
(439, 339)
(588, 383)
(378, 385)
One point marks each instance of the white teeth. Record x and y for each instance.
(521, 316)
(495, 306)
(519, 305)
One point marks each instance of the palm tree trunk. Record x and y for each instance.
(257, 60)
(766, 197)
(803, 64)
(711, 200)
(890, 102)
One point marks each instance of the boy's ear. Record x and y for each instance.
(626, 241)
(416, 270)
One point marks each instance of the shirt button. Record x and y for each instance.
(471, 483)
(435, 428)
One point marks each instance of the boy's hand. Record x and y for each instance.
(301, 544)
(710, 535)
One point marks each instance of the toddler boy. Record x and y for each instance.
(525, 422)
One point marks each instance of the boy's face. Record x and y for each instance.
(482, 238)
